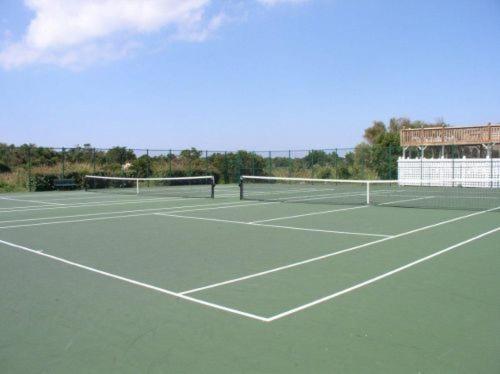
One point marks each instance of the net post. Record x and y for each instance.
(367, 193)
(241, 188)
(137, 186)
(212, 188)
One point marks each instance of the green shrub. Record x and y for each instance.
(4, 168)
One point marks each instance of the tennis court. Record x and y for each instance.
(158, 283)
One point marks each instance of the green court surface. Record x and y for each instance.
(110, 283)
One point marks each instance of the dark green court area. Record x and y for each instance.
(93, 283)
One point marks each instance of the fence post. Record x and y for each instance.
(390, 162)
(453, 165)
(238, 166)
(311, 165)
(63, 162)
(226, 170)
(290, 166)
(270, 162)
(421, 164)
(335, 163)
(29, 168)
(93, 161)
(170, 163)
(491, 168)
(206, 163)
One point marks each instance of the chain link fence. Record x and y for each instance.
(33, 168)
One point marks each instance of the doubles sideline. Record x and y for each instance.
(132, 281)
(171, 210)
(116, 212)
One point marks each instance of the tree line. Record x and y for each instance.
(37, 167)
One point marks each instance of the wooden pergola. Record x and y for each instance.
(486, 136)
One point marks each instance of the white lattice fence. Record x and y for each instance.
(438, 172)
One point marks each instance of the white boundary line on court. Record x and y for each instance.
(316, 197)
(98, 203)
(379, 277)
(271, 226)
(406, 200)
(310, 214)
(84, 205)
(88, 196)
(175, 210)
(95, 204)
(118, 212)
(134, 282)
(331, 254)
(28, 201)
(81, 192)
(182, 295)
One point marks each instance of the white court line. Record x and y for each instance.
(379, 277)
(335, 210)
(28, 201)
(78, 205)
(95, 200)
(99, 203)
(88, 197)
(310, 214)
(404, 201)
(319, 197)
(271, 226)
(92, 204)
(211, 207)
(43, 193)
(118, 212)
(73, 221)
(331, 254)
(326, 231)
(134, 282)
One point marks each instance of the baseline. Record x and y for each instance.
(271, 226)
(310, 214)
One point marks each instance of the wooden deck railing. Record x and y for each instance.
(450, 135)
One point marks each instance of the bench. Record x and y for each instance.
(64, 183)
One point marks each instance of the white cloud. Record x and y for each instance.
(75, 33)
(78, 33)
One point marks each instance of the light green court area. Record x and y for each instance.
(109, 283)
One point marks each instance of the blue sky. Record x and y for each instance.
(252, 74)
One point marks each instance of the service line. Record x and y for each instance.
(336, 253)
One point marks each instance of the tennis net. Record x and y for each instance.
(176, 187)
(465, 194)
